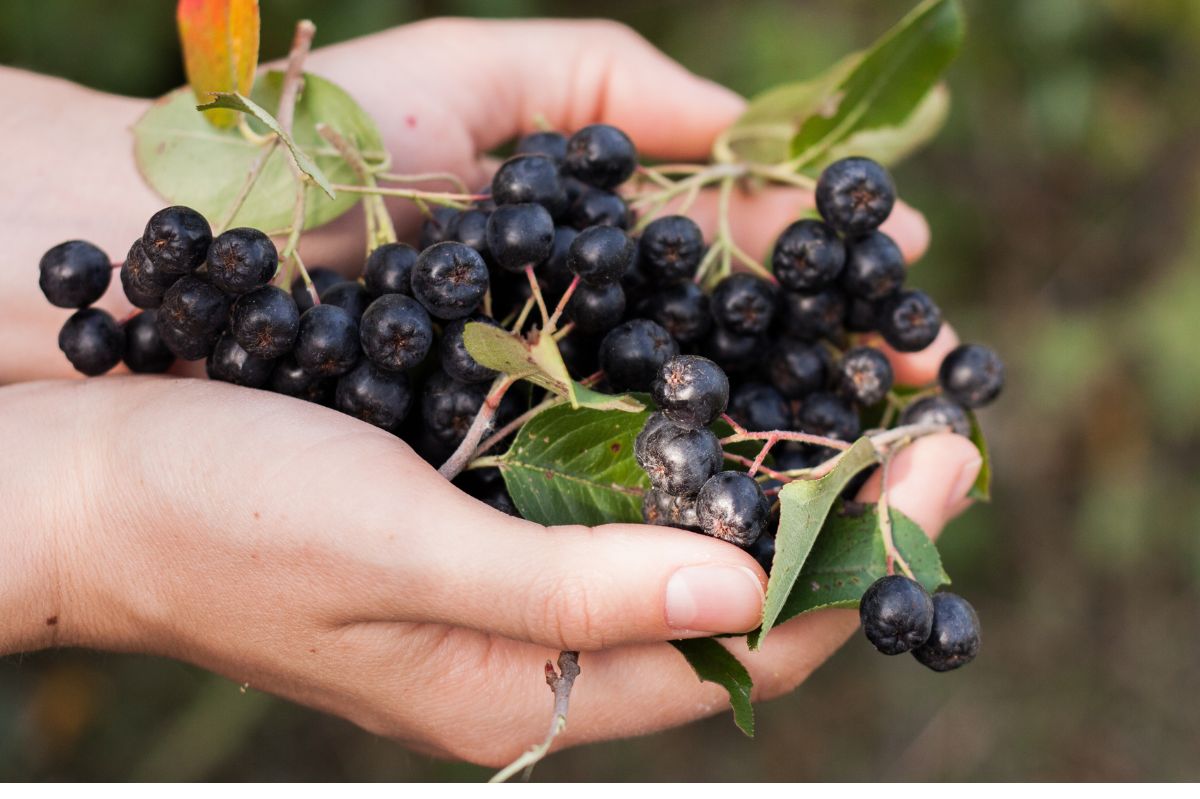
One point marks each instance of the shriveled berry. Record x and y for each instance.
(691, 391)
(543, 142)
(242, 259)
(265, 322)
(396, 332)
(530, 178)
(759, 407)
(374, 395)
(864, 375)
(632, 354)
(874, 267)
(896, 614)
(349, 295)
(744, 304)
(145, 351)
(671, 249)
(92, 341)
(954, 639)
(177, 239)
(450, 280)
(937, 410)
(732, 507)
(598, 207)
(194, 306)
(665, 510)
(74, 274)
(599, 255)
(596, 309)
(143, 281)
(520, 235)
(601, 156)
(328, 343)
(855, 195)
(454, 357)
(448, 406)
(972, 375)
(828, 415)
(230, 363)
(389, 269)
(909, 321)
(682, 308)
(798, 368)
(678, 460)
(808, 256)
(813, 316)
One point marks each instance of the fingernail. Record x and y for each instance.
(962, 484)
(714, 599)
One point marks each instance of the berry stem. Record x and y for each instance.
(537, 296)
(559, 335)
(787, 435)
(523, 315)
(380, 229)
(783, 477)
(252, 175)
(425, 177)
(894, 558)
(292, 78)
(762, 454)
(562, 304)
(737, 428)
(461, 456)
(448, 199)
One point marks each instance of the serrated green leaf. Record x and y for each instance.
(888, 83)
(190, 162)
(714, 663)
(233, 101)
(982, 488)
(804, 506)
(576, 466)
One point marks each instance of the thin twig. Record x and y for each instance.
(562, 304)
(421, 198)
(380, 229)
(461, 456)
(762, 454)
(505, 431)
(536, 291)
(425, 177)
(294, 75)
(782, 477)
(894, 557)
(787, 435)
(561, 683)
(252, 176)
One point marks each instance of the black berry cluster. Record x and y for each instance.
(898, 615)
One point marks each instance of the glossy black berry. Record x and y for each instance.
(448, 406)
(874, 267)
(556, 274)
(855, 195)
(438, 227)
(954, 639)
(265, 322)
(530, 179)
(242, 259)
(596, 309)
(230, 363)
(678, 460)
(543, 142)
(691, 391)
(396, 332)
(177, 239)
(666, 510)
(450, 280)
(671, 249)
(828, 415)
(864, 375)
(601, 156)
(349, 295)
(599, 255)
(896, 614)
(813, 316)
(322, 278)
(92, 341)
(389, 269)
(763, 551)
(290, 379)
(797, 368)
(194, 306)
(455, 359)
(744, 304)
(972, 375)
(759, 407)
(328, 343)
(808, 256)
(909, 321)
(74, 274)
(598, 207)
(145, 350)
(471, 229)
(938, 410)
(633, 353)
(682, 309)
(581, 354)
(734, 353)
(375, 395)
(186, 344)
(143, 281)
(732, 507)
(520, 235)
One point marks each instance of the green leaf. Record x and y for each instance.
(714, 663)
(888, 83)
(576, 466)
(804, 505)
(849, 555)
(233, 101)
(190, 162)
(982, 489)
(892, 145)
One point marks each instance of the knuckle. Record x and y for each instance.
(570, 615)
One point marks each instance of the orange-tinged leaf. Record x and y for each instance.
(220, 49)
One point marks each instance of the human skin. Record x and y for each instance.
(326, 562)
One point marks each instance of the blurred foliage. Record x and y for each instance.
(1062, 197)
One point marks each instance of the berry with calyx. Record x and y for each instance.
(177, 239)
(938, 410)
(194, 306)
(598, 207)
(454, 357)
(734, 353)
(92, 341)
(145, 351)
(520, 235)
(763, 551)
(759, 407)
(828, 415)
(855, 195)
(864, 375)
(143, 281)
(798, 368)
(241, 260)
(601, 156)
(682, 308)
(389, 269)
(732, 507)
(450, 280)
(543, 142)
(808, 256)
(954, 639)
(632, 354)
(596, 309)
(74, 274)
(530, 179)
(328, 344)
(691, 391)
(322, 278)
(374, 395)
(896, 614)
(665, 510)
(230, 363)
(744, 304)
(448, 406)
(678, 460)
(265, 322)
(972, 375)
(909, 321)
(349, 295)
(813, 316)
(599, 255)
(671, 249)
(874, 267)
(290, 379)
(438, 227)
(396, 332)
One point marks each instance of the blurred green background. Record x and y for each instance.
(1062, 196)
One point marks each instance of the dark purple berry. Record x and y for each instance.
(855, 195)
(290, 379)
(896, 614)
(864, 375)
(396, 332)
(813, 316)
(861, 315)
(938, 410)
(349, 295)
(763, 551)
(678, 460)
(808, 256)
(520, 235)
(797, 368)
(389, 269)
(744, 304)
(455, 359)
(92, 341)
(143, 281)
(177, 239)
(145, 351)
(471, 230)
(241, 260)
(691, 391)
(448, 406)
(598, 207)
(230, 363)
(374, 395)
(543, 142)
(663, 509)
(596, 309)
(328, 343)
(438, 227)
(874, 267)
(601, 156)
(632, 354)
(683, 310)
(450, 280)
(556, 273)
(671, 249)
(954, 639)
(600, 255)
(734, 353)
(909, 321)
(732, 507)
(530, 179)
(972, 375)
(322, 278)
(74, 274)
(186, 344)
(759, 407)
(265, 322)
(828, 415)
(194, 306)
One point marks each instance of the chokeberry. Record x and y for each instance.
(145, 351)
(828, 415)
(455, 359)
(74, 274)
(813, 316)
(864, 375)
(760, 407)
(855, 195)
(682, 309)
(242, 259)
(909, 321)
(798, 368)
(598, 207)
(530, 179)
(322, 278)
(374, 395)
(601, 156)
(520, 235)
(954, 638)
(232, 364)
(328, 344)
(763, 551)
(896, 614)
(972, 375)
(143, 281)
(691, 391)
(734, 353)
(396, 332)
(599, 255)
(265, 322)
(732, 507)
(389, 269)
(808, 256)
(938, 410)
(670, 250)
(448, 406)
(177, 239)
(190, 345)
(678, 460)
(666, 510)
(450, 280)
(194, 306)
(595, 309)
(92, 341)
(744, 304)
(874, 267)
(543, 142)
(581, 354)
(556, 273)
(290, 379)
(632, 354)
(349, 295)
(438, 227)
(861, 315)
(471, 229)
